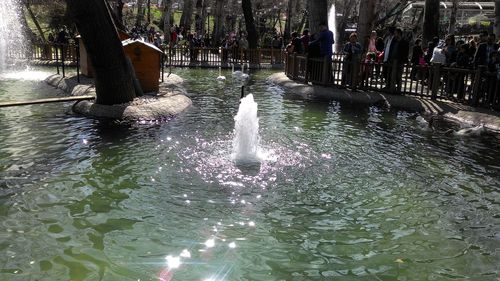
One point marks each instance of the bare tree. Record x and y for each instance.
(218, 32)
(113, 71)
(140, 12)
(148, 6)
(167, 15)
(431, 20)
(288, 22)
(453, 17)
(35, 21)
(187, 14)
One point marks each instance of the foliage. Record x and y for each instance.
(52, 15)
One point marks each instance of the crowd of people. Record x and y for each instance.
(391, 52)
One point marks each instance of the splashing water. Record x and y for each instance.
(12, 35)
(27, 74)
(332, 25)
(246, 132)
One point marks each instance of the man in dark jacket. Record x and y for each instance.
(397, 58)
(485, 48)
(325, 41)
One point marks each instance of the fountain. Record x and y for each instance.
(12, 36)
(332, 25)
(246, 132)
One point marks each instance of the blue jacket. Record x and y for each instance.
(325, 40)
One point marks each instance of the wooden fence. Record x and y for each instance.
(175, 56)
(225, 58)
(476, 87)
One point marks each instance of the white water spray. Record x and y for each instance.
(246, 132)
(332, 25)
(12, 37)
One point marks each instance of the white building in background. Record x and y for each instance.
(468, 12)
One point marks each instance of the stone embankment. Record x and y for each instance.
(467, 115)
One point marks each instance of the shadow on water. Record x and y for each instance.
(249, 168)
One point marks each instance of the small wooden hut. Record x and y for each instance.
(146, 59)
(85, 64)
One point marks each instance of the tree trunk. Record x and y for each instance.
(497, 18)
(200, 17)
(318, 12)
(139, 17)
(218, 33)
(431, 20)
(203, 16)
(246, 6)
(453, 17)
(113, 74)
(365, 22)
(119, 10)
(167, 12)
(288, 22)
(149, 11)
(187, 14)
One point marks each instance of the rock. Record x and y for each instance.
(143, 108)
(169, 101)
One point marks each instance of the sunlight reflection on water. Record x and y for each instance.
(26, 75)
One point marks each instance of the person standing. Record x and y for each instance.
(389, 44)
(297, 43)
(243, 44)
(324, 40)
(305, 40)
(485, 48)
(398, 57)
(417, 56)
(352, 52)
(450, 50)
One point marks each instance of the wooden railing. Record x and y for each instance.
(174, 56)
(48, 52)
(220, 57)
(476, 87)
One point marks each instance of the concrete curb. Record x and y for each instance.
(463, 114)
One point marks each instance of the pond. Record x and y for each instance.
(344, 193)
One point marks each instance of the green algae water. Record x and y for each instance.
(343, 193)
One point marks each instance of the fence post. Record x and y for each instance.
(306, 73)
(162, 66)
(57, 58)
(77, 47)
(324, 72)
(295, 68)
(436, 79)
(476, 88)
(286, 65)
(62, 61)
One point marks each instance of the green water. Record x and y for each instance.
(345, 193)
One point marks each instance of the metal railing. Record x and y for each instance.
(476, 87)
